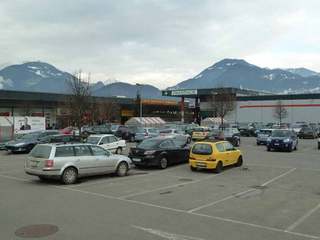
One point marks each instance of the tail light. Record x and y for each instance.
(48, 163)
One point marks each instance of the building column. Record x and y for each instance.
(182, 109)
(197, 111)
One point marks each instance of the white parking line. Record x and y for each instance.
(303, 218)
(194, 214)
(278, 177)
(235, 195)
(15, 178)
(307, 236)
(166, 187)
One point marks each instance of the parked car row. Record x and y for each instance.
(68, 162)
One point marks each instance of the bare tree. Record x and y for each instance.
(80, 99)
(222, 103)
(280, 112)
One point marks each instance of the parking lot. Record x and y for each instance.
(274, 195)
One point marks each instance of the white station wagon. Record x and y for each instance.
(68, 162)
(108, 141)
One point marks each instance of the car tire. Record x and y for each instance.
(163, 163)
(238, 143)
(239, 162)
(119, 150)
(188, 140)
(122, 169)
(258, 143)
(69, 175)
(268, 149)
(219, 167)
(193, 169)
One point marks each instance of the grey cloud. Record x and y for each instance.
(128, 40)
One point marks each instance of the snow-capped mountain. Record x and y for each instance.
(303, 72)
(34, 76)
(43, 77)
(241, 74)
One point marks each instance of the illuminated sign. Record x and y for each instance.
(184, 92)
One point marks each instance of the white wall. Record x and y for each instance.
(296, 112)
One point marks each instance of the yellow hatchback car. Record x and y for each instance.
(214, 155)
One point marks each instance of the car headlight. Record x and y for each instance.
(19, 144)
(287, 140)
(150, 152)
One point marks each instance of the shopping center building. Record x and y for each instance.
(252, 106)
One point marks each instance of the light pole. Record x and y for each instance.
(140, 99)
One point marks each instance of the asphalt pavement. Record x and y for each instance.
(274, 195)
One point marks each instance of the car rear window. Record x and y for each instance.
(65, 151)
(41, 151)
(202, 148)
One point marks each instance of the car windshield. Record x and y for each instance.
(152, 130)
(228, 131)
(262, 131)
(202, 148)
(93, 140)
(140, 130)
(30, 136)
(280, 133)
(114, 127)
(149, 143)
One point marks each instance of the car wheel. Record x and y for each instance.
(219, 167)
(268, 149)
(258, 143)
(163, 163)
(119, 150)
(238, 143)
(69, 175)
(239, 162)
(122, 169)
(188, 140)
(193, 169)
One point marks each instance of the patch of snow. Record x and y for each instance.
(199, 76)
(32, 67)
(269, 76)
(39, 73)
(5, 82)
(210, 68)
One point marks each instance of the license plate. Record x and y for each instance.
(136, 159)
(201, 165)
(34, 164)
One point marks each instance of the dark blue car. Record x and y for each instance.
(282, 139)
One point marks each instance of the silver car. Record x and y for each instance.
(144, 133)
(68, 162)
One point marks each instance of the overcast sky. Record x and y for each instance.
(160, 42)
